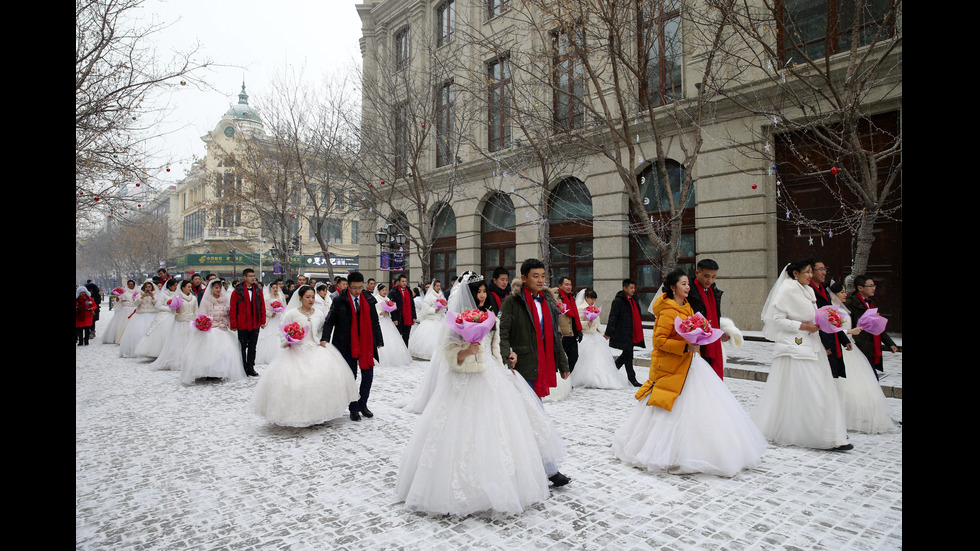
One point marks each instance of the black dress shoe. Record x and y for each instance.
(367, 413)
(844, 448)
(251, 373)
(354, 416)
(559, 479)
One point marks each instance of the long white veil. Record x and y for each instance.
(208, 300)
(768, 329)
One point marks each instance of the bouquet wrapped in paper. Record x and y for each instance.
(830, 319)
(562, 308)
(440, 304)
(175, 302)
(472, 325)
(697, 329)
(277, 306)
(872, 322)
(592, 313)
(294, 332)
(388, 306)
(202, 323)
(118, 292)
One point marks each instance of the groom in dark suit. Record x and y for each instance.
(352, 326)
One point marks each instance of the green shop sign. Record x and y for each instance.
(216, 259)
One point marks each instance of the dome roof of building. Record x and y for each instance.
(242, 110)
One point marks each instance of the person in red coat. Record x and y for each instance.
(84, 313)
(247, 316)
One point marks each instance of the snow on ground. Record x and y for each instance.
(160, 465)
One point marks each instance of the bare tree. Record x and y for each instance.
(818, 75)
(632, 108)
(415, 110)
(128, 246)
(294, 172)
(117, 76)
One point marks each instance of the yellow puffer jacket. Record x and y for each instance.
(669, 362)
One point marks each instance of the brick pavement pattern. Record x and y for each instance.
(159, 465)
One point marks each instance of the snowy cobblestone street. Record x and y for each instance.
(160, 465)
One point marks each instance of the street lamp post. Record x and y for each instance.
(389, 236)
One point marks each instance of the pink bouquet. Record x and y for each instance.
(175, 303)
(118, 292)
(293, 332)
(472, 325)
(697, 330)
(388, 306)
(562, 308)
(277, 306)
(830, 319)
(592, 312)
(872, 322)
(135, 294)
(440, 304)
(202, 323)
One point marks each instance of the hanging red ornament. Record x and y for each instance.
(833, 171)
(139, 206)
(382, 182)
(137, 184)
(96, 198)
(168, 169)
(754, 186)
(423, 125)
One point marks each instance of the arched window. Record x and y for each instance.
(499, 235)
(443, 266)
(645, 260)
(570, 218)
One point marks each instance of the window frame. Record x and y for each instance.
(652, 30)
(445, 22)
(445, 102)
(567, 65)
(402, 48)
(833, 33)
(499, 103)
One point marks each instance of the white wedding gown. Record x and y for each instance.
(394, 353)
(156, 335)
(178, 336)
(863, 401)
(706, 431)
(422, 341)
(216, 353)
(306, 384)
(595, 367)
(481, 443)
(126, 305)
(136, 329)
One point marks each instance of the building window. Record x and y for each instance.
(570, 219)
(499, 235)
(569, 79)
(813, 29)
(499, 117)
(401, 49)
(332, 231)
(194, 226)
(401, 139)
(496, 7)
(444, 120)
(355, 232)
(445, 22)
(660, 38)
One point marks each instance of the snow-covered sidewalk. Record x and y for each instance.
(159, 465)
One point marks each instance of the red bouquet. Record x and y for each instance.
(118, 291)
(472, 325)
(202, 323)
(294, 332)
(829, 319)
(697, 329)
(592, 312)
(440, 304)
(276, 306)
(388, 306)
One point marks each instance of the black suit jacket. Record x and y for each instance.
(337, 327)
(395, 295)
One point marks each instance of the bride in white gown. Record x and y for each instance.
(267, 347)
(180, 331)
(309, 382)
(422, 342)
(215, 354)
(156, 335)
(394, 353)
(800, 405)
(484, 441)
(595, 367)
(860, 392)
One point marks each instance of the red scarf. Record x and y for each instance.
(406, 306)
(572, 311)
(637, 325)
(361, 348)
(496, 299)
(711, 352)
(876, 338)
(546, 346)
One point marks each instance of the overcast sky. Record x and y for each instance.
(250, 40)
